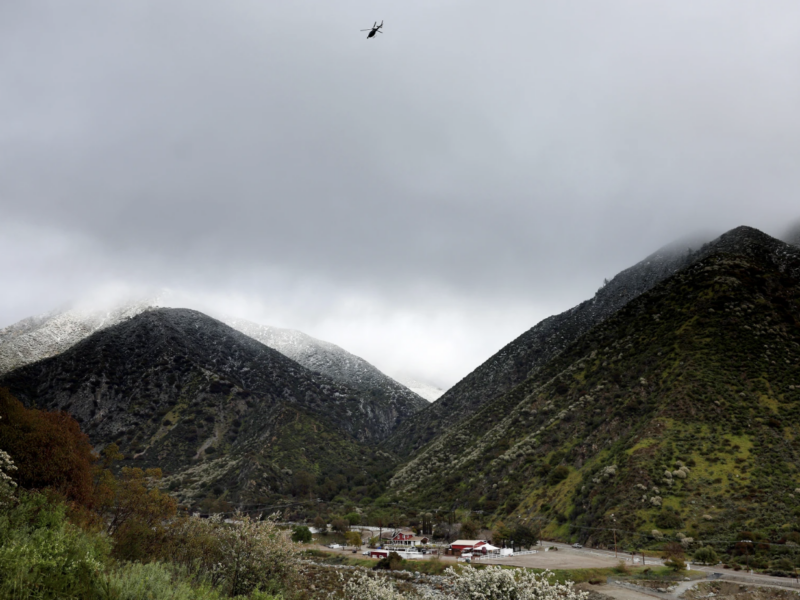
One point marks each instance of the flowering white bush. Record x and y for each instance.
(241, 555)
(7, 484)
(496, 583)
(363, 587)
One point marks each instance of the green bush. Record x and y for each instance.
(706, 556)
(154, 581)
(301, 534)
(42, 556)
(668, 519)
(557, 475)
(159, 581)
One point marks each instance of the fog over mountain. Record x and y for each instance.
(418, 199)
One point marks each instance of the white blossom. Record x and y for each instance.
(363, 587)
(7, 484)
(496, 583)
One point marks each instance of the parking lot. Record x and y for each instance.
(558, 559)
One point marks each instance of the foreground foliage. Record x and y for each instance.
(44, 556)
(467, 583)
(496, 583)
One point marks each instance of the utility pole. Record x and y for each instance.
(614, 520)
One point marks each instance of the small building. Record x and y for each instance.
(466, 545)
(403, 538)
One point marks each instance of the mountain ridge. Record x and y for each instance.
(179, 390)
(678, 413)
(516, 361)
(35, 338)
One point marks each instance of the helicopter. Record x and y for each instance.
(374, 29)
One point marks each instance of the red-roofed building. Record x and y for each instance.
(467, 545)
(403, 538)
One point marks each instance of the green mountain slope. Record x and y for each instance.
(681, 412)
(521, 358)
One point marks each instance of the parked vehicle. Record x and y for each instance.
(334, 546)
(576, 545)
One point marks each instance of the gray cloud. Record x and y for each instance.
(442, 187)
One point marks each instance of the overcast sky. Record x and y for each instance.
(420, 198)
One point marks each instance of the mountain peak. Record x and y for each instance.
(519, 359)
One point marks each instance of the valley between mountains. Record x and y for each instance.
(667, 406)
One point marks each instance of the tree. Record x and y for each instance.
(353, 538)
(303, 483)
(301, 534)
(427, 523)
(320, 524)
(524, 536)
(674, 557)
(706, 556)
(469, 529)
(501, 534)
(135, 497)
(340, 525)
(353, 518)
(48, 448)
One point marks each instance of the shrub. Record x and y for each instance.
(154, 581)
(241, 556)
(301, 534)
(42, 556)
(668, 519)
(496, 583)
(392, 562)
(7, 484)
(557, 475)
(363, 587)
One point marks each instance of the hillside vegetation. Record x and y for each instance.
(680, 414)
(521, 358)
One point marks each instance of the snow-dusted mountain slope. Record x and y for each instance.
(179, 390)
(328, 359)
(36, 338)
